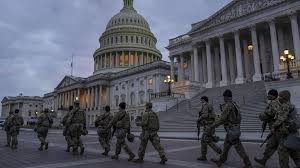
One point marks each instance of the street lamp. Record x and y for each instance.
(250, 47)
(169, 81)
(287, 57)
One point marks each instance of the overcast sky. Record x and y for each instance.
(38, 37)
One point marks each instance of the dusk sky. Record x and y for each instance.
(38, 37)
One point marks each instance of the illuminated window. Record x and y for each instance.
(126, 59)
(137, 60)
(150, 81)
(131, 58)
(121, 60)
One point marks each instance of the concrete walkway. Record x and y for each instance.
(245, 137)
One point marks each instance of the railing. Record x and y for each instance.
(270, 77)
(166, 94)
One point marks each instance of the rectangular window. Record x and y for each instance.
(126, 39)
(131, 39)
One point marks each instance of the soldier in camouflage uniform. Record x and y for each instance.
(268, 116)
(104, 135)
(206, 119)
(150, 127)
(283, 128)
(121, 122)
(43, 124)
(66, 131)
(7, 128)
(15, 123)
(231, 119)
(77, 122)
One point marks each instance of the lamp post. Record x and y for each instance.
(287, 57)
(169, 81)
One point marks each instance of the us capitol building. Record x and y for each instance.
(127, 68)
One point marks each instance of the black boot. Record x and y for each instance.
(41, 147)
(105, 153)
(139, 160)
(163, 160)
(131, 157)
(115, 157)
(202, 158)
(46, 146)
(82, 150)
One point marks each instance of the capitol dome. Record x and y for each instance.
(127, 42)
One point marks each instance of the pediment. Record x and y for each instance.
(234, 10)
(67, 81)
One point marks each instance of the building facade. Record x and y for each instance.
(29, 106)
(243, 42)
(127, 68)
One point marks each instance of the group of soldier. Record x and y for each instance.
(279, 114)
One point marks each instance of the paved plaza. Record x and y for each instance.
(181, 153)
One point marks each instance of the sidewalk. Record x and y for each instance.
(245, 137)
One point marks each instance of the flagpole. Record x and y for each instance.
(72, 65)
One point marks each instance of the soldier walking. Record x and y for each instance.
(206, 119)
(104, 134)
(66, 131)
(150, 127)
(77, 121)
(231, 119)
(284, 127)
(268, 117)
(43, 124)
(15, 123)
(121, 122)
(7, 128)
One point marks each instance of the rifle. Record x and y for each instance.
(264, 126)
(269, 137)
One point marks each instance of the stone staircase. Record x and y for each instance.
(250, 97)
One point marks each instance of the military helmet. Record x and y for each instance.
(107, 109)
(122, 105)
(273, 92)
(46, 110)
(130, 137)
(17, 111)
(227, 93)
(149, 105)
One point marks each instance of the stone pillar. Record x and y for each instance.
(231, 62)
(224, 81)
(296, 35)
(180, 69)
(217, 64)
(274, 43)
(172, 67)
(196, 64)
(96, 96)
(110, 60)
(239, 63)
(100, 97)
(264, 61)
(257, 75)
(209, 83)
(204, 65)
(88, 98)
(247, 61)
(118, 59)
(141, 58)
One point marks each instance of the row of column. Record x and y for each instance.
(205, 73)
(66, 99)
(123, 58)
(95, 97)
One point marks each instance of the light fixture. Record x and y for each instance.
(292, 57)
(282, 57)
(250, 47)
(76, 98)
(286, 51)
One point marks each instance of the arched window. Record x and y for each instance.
(132, 98)
(123, 98)
(117, 101)
(142, 97)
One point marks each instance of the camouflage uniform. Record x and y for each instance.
(231, 120)
(104, 135)
(7, 128)
(77, 122)
(121, 121)
(66, 131)
(15, 123)
(42, 127)
(281, 128)
(269, 116)
(150, 127)
(207, 119)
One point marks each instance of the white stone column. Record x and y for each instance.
(247, 61)
(257, 75)
(239, 63)
(204, 65)
(172, 67)
(209, 83)
(118, 59)
(231, 63)
(141, 58)
(110, 60)
(100, 96)
(296, 35)
(224, 81)
(196, 64)
(274, 43)
(217, 64)
(264, 61)
(97, 96)
(180, 68)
